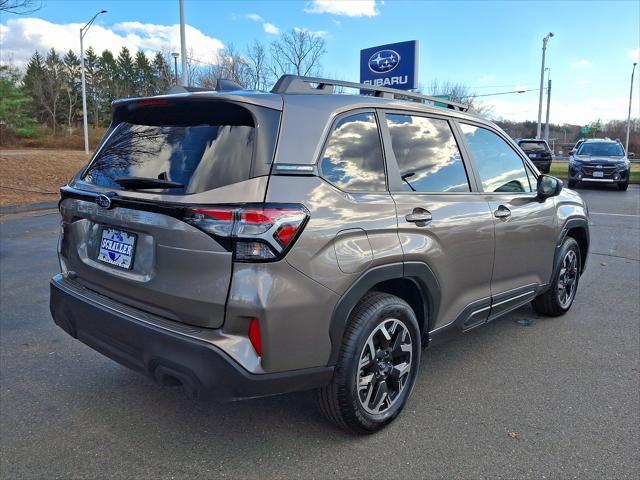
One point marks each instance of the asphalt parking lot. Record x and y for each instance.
(557, 399)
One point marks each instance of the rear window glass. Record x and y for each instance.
(200, 157)
(534, 146)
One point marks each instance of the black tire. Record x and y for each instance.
(550, 302)
(572, 184)
(623, 186)
(340, 401)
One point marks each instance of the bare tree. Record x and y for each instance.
(230, 65)
(298, 51)
(457, 92)
(20, 7)
(258, 73)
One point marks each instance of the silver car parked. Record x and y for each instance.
(242, 244)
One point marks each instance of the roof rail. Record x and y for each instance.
(222, 85)
(298, 84)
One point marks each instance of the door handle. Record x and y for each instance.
(418, 216)
(502, 212)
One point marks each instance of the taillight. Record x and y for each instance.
(258, 232)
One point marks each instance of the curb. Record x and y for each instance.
(29, 207)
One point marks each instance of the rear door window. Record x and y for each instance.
(501, 169)
(427, 154)
(352, 158)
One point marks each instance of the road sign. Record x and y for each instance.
(444, 97)
(393, 65)
(584, 130)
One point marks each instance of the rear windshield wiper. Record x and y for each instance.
(142, 183)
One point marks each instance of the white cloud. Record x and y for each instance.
(270, 28)
(317, 33)
(21, 37)
(349, 8)
(583, 82)
(267, 26)
(580, 63)
(634, 54)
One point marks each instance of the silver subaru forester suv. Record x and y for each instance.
(241, 244)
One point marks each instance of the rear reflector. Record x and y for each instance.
(259, 232)
(254, 336)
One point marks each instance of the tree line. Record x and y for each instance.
(49, 91)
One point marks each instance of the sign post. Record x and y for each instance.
(393, 65)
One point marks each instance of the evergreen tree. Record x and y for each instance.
(92, 82)
(143, 82)
(15, 104)
(126, 73)
(108, 91)
(33, 83)
(161, 74)
(72, 86)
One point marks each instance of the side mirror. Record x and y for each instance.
(631, 155)
(548, 186)
(573, 150)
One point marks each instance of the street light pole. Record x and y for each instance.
(626, 144)
(183, 46)
(546, 123)
(85, 126)
(544, 51)
(175, 56)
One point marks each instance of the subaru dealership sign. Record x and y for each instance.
(394, 65)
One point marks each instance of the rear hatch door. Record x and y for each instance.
(123, 232)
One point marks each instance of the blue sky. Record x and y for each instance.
(490, 46)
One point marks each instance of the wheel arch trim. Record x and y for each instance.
(570, 224)
(418, 272)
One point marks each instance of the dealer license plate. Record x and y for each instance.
(117, 248)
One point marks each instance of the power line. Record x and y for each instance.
(502, 93)
(513, 85)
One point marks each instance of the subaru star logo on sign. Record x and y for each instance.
(384, 61)
(394, 65)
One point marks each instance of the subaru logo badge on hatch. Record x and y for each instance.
(103, 201)
(384, 61)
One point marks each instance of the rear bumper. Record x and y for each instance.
(543, 165)
(172, 358)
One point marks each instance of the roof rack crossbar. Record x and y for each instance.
(299, 84)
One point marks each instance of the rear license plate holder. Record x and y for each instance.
(117, 248)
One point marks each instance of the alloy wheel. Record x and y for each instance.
(384, 366)
(567, 279)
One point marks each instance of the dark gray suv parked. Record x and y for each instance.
(600, 160)
(242, 244)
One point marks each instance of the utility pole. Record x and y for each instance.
(544, 51)
(85, 125)
(626, 144)
(175, 56)
(546, 123)
(183, 46)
